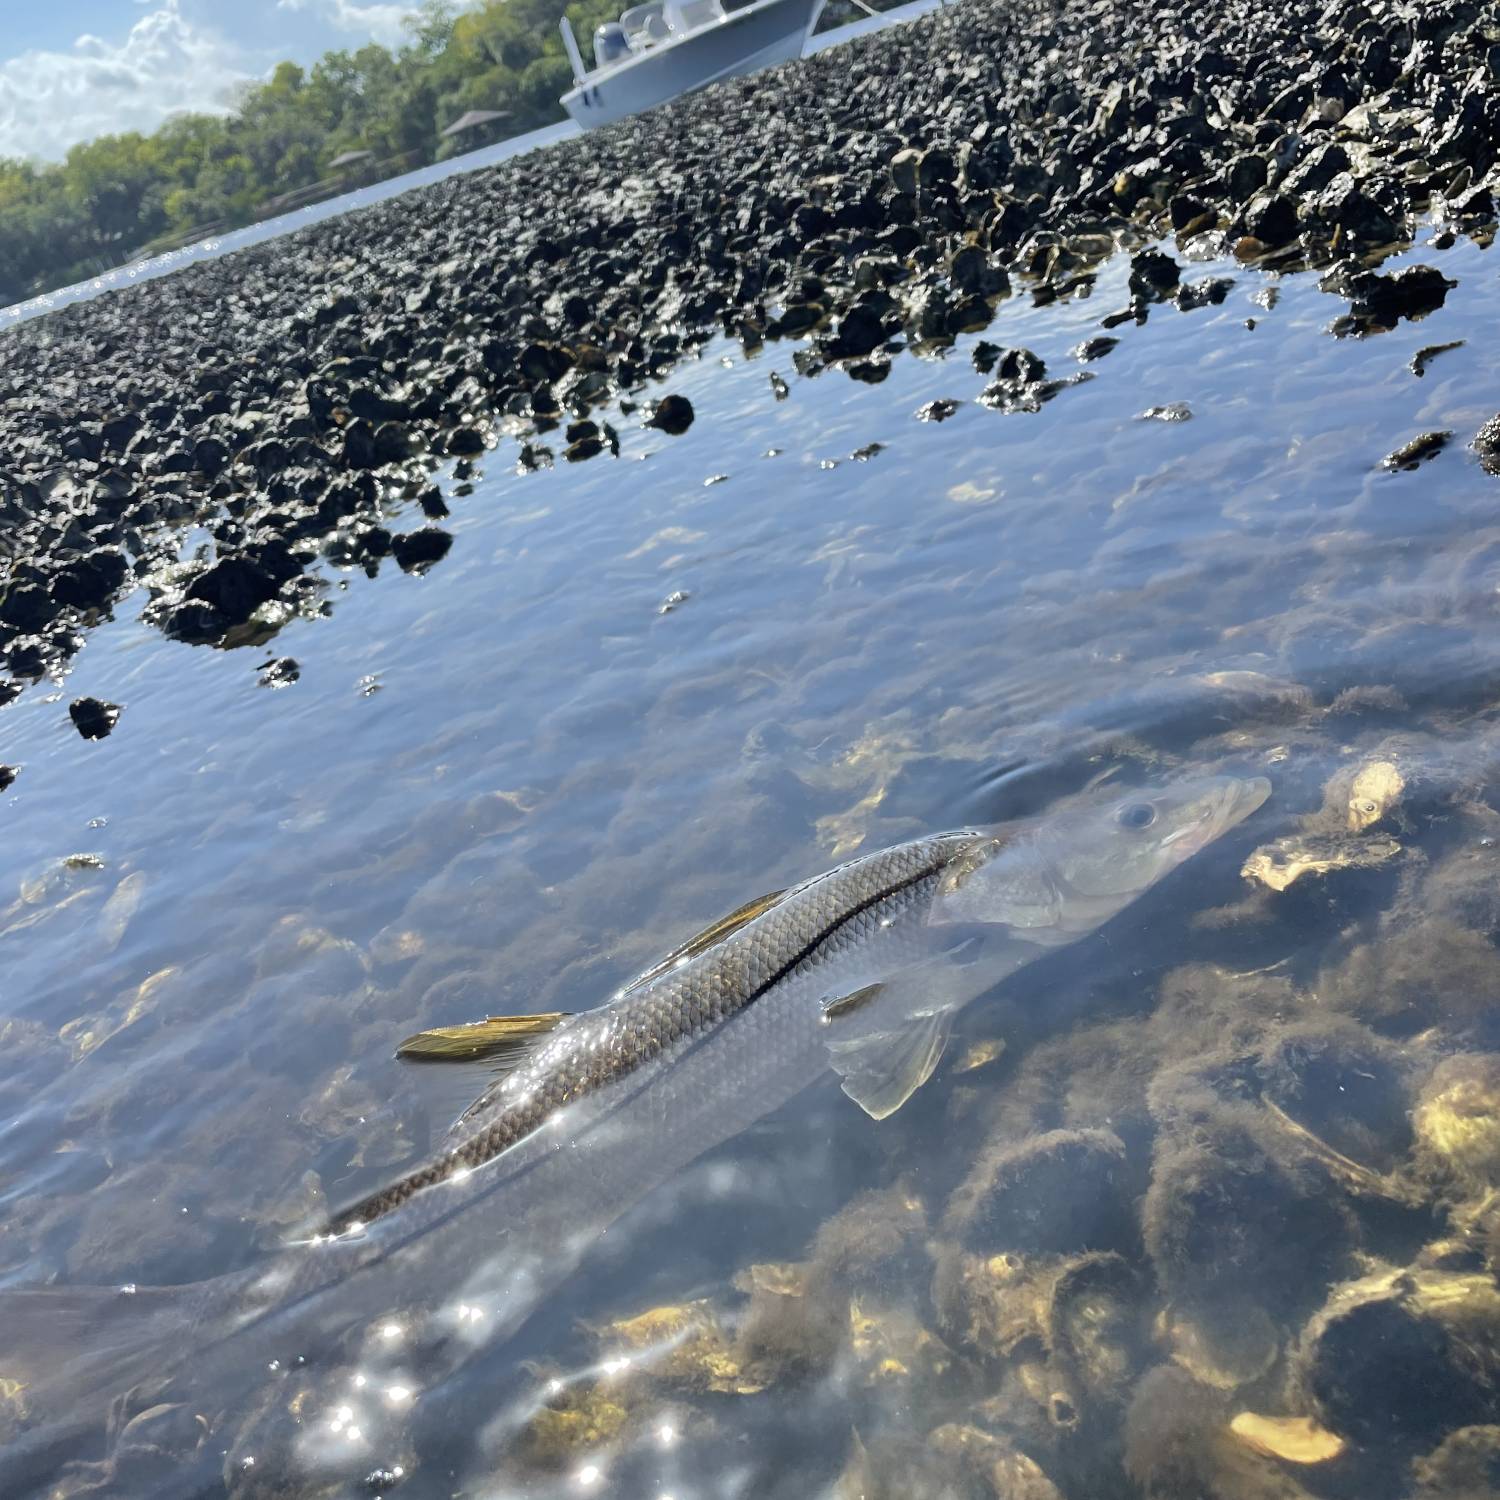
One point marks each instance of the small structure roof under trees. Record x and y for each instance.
(473, 118)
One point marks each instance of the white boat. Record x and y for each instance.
(657, 51)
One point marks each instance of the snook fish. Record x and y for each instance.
(860, 970)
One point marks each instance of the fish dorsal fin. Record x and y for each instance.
(701, 942)
(881, 1049)
(497, 1039)
(474, 1058)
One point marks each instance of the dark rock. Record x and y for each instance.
(90, 582)
(466, 442)
(1317, 170)
(195, 621)
(1152, 274)
(672, 415)
(432, 503)
(359, 446)
(1020, 364)
(235, 587)
(282, 672)
(1185, 210)
(1244, 177)
(1416, 452)
(1094, 348)
(545, 362)
(1271, 218)
(92, 718)
(417, 551)
(1486, 445)
(859, 332)
(1210, 292)
(1379, 302)
(8, 776)
(1356, 214)
(27, 606)
(937, 411)
(391, 442)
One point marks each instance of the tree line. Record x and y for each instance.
(116, 196)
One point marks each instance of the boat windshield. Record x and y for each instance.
(644, 25)
(689, 15)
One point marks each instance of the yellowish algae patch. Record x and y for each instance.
(683, 1346)
(1457, 1119)
(1375, 791)
(979, 1055)
(83, 1035)
(1298, 1440)
(1283, 863)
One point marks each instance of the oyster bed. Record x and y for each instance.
(291, 401)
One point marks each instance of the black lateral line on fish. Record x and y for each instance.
(395, 1195)
(926, 873)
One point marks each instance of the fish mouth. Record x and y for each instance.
(1234, 800)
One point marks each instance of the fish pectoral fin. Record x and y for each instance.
(474, 1058)
(882, 1048)
(497, 1039)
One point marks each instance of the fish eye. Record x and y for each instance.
(1136, 816)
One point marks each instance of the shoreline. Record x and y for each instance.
(286, 397)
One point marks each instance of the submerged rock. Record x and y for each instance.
(92, 717)
(1400, 1359)
(1416, 451)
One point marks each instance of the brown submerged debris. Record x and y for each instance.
(1281, 863)
(1429, 352)
(579, 1418)
(1432, 970)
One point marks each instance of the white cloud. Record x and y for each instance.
(382, 22)
(52, 100)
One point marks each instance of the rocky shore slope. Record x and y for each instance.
(295, 400)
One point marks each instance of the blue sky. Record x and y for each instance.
(74, 69)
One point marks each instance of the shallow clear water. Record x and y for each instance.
(512, 783)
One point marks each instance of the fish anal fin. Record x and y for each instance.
(701, 942)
